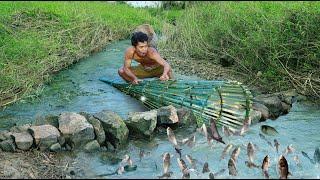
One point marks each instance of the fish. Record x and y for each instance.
(166, 162)
(214, 132)
(184, 169)
(283, 168)
(172, 137)
(226, 131)
(316, 155)
(127, 160)
(189, 141)
(276, 144)
(232, 167)
(250, 151)
(205, 168)
(307, 156)
(178, 150)
(245, 126)
(268, 130)
(120, 170)
(203, 130)
(211, 175)
(225, 151)
(265, 166)
(191, 161)
(289, 149)
(166, 175)
(235, 153)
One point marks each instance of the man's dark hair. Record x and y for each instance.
(138, 37)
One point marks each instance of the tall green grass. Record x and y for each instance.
(280, 39)
(38, 39)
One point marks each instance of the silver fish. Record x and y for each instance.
(226, 150)
(166, 162)
(214, 132)
(211, 175)
(235, 153)
(269, 130)
(184, 169)
(190, 141)
(289, 149)
(276, 144)
(307, 156)
(172, 137)
(205, 168)
(250, 151)
(166, 175)
(316, 155)
(191, 161)
(127, 160)
(232, 167)
(226, 131)
(283, 168)
(265, 166)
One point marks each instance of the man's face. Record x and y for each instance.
(142, 48)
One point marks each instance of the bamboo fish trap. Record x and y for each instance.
(226, 102)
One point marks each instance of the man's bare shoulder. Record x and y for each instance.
(152, 52)
(129, 50)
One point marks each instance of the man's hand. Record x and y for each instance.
(164, 77)
(136, 81)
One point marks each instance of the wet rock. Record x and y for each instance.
(23, 140)
(272, 102)
(186, 117)
(97, 126)
(92, 146)
(167, 115)
(8, 145)
(255, 116)
(142, 123)
(109, 146)
(19, 129)
(261, 108)
(48, 119)
(288, 97)
(75, 128)
(44, 135)
(114, 127)
(55, 147)
(4, 135)
(285, 107)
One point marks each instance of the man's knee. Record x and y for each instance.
(121, 71)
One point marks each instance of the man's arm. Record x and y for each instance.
(166, 67)
(127, 65)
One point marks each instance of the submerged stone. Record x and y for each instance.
(142, 123)
(44, 135)
(114, 127)
(75, 128)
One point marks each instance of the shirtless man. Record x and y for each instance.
(151, 63)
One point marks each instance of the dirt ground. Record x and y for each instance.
(34, 165)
